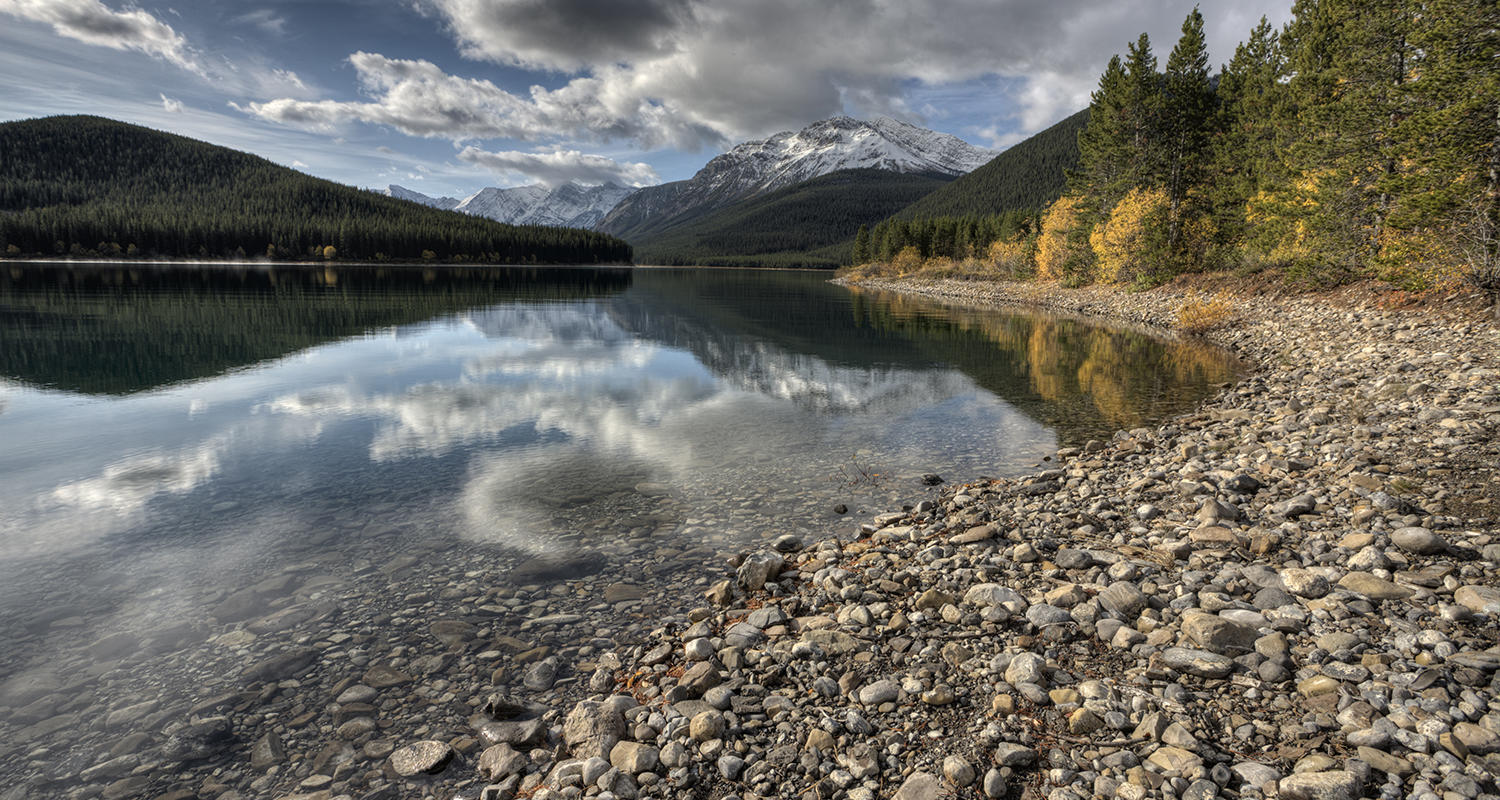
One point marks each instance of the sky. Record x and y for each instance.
(448, 96)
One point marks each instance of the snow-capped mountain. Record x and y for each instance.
(791, 157)
(504, 205)
(403, 193)
(570, 205)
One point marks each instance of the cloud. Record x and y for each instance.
(172, 106)
(288, 77)
(561, 166)
(92, 22)
(750, 67)
(418, 98)
(265, 19)
(675, 73)
(565, 35)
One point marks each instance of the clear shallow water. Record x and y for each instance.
(171, 436)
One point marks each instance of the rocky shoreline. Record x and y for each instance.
(1290, 592)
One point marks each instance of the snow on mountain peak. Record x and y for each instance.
(570, 205)
(790, 157)
(845, 143)
(403, 193)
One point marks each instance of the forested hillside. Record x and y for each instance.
(87, 186)
(1361, 140)
(808, 224)
(984, 216)
(1029, 175)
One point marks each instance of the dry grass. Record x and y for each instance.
(1200, 315)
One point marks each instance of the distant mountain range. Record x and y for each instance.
(798, 197)
(570, 205)
(757, 167)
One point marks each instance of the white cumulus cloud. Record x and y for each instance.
(751, 67)
(92, 22)
(418, 98)
(559, 166)
(687, 73)
(172, 105)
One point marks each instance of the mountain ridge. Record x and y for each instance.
(570, 205)
(1028, 175)
(89, 187)
(764, 165)
(807, 224)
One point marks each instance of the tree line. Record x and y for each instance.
(940, 237)
(807, 224)
(1361, 139)
(91, 187)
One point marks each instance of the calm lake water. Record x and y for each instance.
(169, 436)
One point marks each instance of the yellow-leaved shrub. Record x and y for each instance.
(907, 261)
(1122, 243)
(1201, 315)
(1056, 253)
(1010, 258)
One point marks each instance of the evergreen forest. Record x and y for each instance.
(809, 224)
(1360, 140)
(90, 187)
(1026, 177)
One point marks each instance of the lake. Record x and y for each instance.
(221, 478)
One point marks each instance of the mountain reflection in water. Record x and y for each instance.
(138, 399)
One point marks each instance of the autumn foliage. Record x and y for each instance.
(1059, 255)
(1357, 141)
(1126, 242)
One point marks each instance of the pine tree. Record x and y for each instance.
(1452, 136)
(1350, 62)
(1244, 145)
(1449, 197)
(1142, 112)
(862, 245)
(1104, 144)
(1187, 109)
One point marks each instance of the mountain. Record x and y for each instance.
(570, 205)
(503, 205)
(89, 186)
(1029, 175)
(804, 225)
(403, 193)
(788, 158)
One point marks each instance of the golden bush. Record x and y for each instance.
(907, 261)
(1053, 249)
(1201, 315)
(1009, 257)
(1123, 243)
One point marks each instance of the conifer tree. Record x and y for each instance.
(1244, 145)
(1449, 198)
(1104, 144)
(1142, 112)
(1452, 136)
(862, 245)
(1186, 116)
(1350, 61)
